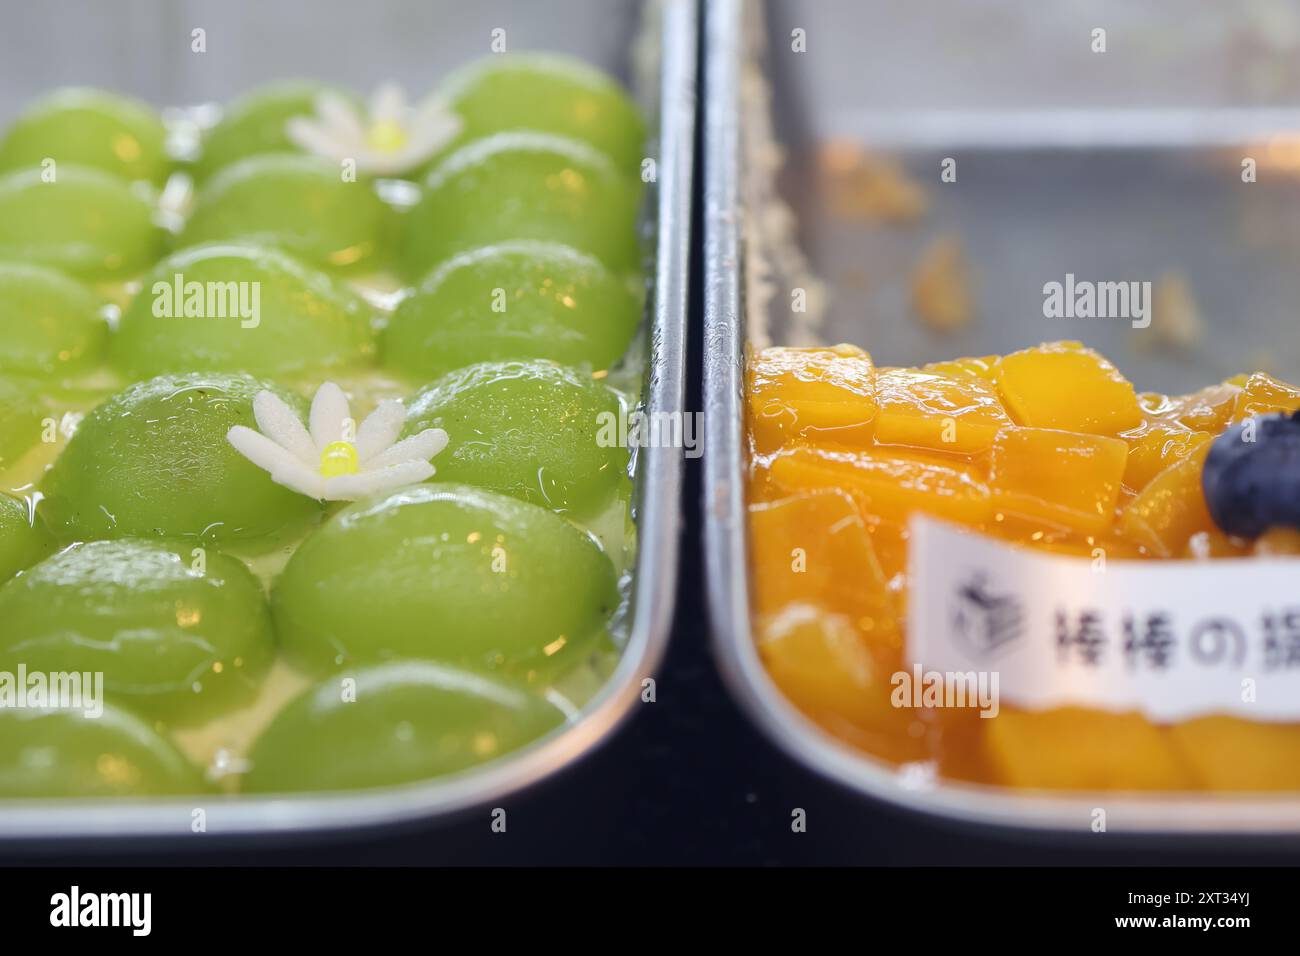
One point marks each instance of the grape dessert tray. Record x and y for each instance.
(1102, 187)
(653, 49)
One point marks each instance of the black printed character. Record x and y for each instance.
(1149, 640)
(1084, 638)
(1282, 640)
(984, 620)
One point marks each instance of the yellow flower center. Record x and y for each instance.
(387, 136)
(339, 458)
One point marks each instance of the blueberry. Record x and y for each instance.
(1251, 477)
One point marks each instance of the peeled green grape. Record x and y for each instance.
(554, 94)
(240, 308)
(20, 421)
(298, 203)
(403, 722)
(255, 124)
(523, 185)
(24, 539)
(515, 300)
(153, 461)
(108, 131)
(445, 573)
(62, 753)
(49, 323)
(179, 634)
(87, 223)
(533, 430)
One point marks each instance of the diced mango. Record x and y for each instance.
(1228, 753)
(1064, 385)
(1170, 509)
(891, 486)
(1157, 445)
(1208, 410)
(819, 394)
(1075, 749)
(983, 366)
(1263, 394)
(926, 410)
(821, 663)
(1062, 477)
(1277, 542)
(813, 548)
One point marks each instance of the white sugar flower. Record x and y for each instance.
(323, 463)
(394, 138)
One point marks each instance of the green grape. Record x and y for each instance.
(523, 185)
(445, 573)
(533, 430)
(49, 323)
(553, 94)
(108, 131)
(62, 753)
(87, 223)
(401, 723)
(240, 308)
(255, 124)
(24, 539)
(298, 203)
(153, 461)
(179, 634)
(515, 300)
(20, 421)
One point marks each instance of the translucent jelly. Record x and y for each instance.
(1049, 448)
(50, 324)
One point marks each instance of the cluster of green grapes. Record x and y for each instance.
(433, 619)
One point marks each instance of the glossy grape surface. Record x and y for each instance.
(534, 430)
(23, 541)
(397, 723)
(50, 324)
(87, 223)
(516, 300)
(89, 127)
(153, 461)
(180, 634)
(445, 573)
(523, 185)
(261, 312)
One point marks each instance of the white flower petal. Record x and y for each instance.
(329, 410)
(419, 447)
(388, 105)
(380, 429)
(296, 476)
(259, 449)
(311, 136)
(340, 117)
(366, 483)
(281, 424)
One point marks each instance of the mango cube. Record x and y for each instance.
(820, 394)
(892, 486)
(925, 410)
(1064, 385)
(1263, 394)
(1170, 509)
(1062, 477)
(1156, 446)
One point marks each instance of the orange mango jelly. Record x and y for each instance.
(1048, 448)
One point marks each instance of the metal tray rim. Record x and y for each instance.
(655, 580)
(726, 548)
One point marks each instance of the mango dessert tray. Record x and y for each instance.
(309, 510)
(987, 538)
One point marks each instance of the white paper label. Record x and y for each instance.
(1171, 639)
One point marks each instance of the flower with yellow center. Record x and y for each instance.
(329, 459)
(392, 138)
